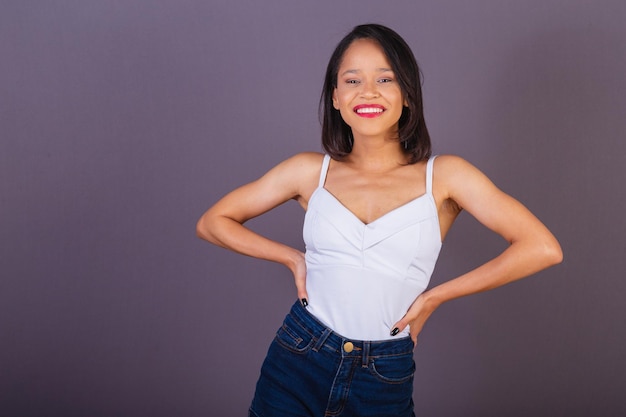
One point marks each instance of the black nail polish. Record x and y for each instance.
(395, 331)
(304, 302)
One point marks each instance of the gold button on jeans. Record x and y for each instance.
(348, 347)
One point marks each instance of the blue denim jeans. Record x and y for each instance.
(312, 371)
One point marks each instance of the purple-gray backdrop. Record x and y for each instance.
(123, 120)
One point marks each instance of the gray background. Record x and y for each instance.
(122, 121)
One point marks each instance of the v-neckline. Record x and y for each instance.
(377, 219)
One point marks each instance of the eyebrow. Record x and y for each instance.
(356, 71)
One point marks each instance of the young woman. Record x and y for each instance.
(378, 207)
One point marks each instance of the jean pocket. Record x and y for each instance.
(393, 369)
(293, 339)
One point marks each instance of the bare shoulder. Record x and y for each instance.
(457, 179)
(299, 168)
(298, 175)
(450, 165)
(452, 169)
(305, 161)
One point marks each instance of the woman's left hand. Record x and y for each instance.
(415, 317)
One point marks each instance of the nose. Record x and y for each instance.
(369, 90)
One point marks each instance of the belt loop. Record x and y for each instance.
(366, 353)
(322, 339)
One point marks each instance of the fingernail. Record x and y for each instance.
(395, 331)
(304, 302)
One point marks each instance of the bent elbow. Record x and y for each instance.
(202, 229)
(199, 232)
(558, 256)
(553, 253)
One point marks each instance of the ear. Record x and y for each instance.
(335, 101)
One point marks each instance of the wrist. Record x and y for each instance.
(431, 299)
(293, 259)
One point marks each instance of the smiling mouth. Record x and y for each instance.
(369, 110)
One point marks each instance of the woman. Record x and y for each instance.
(378, 207)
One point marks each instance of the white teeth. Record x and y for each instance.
(369, 110)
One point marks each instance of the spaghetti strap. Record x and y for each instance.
(324, 171)
(429, 174)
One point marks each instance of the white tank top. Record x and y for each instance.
(362, 278)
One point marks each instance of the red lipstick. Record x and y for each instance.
(368, 110)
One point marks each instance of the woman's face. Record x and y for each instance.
(368, 95)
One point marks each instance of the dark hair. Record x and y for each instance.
(412, 131)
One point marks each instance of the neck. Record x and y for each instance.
(376, 153)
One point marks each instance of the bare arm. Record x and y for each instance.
(222, 224)
(532, 247)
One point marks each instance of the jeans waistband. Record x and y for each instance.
(325, 337)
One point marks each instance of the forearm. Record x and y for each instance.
(517, 261)
(230, 234)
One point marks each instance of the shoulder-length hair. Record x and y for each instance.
(412, 132)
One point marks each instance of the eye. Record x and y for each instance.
(385, 80)
(352, 81)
